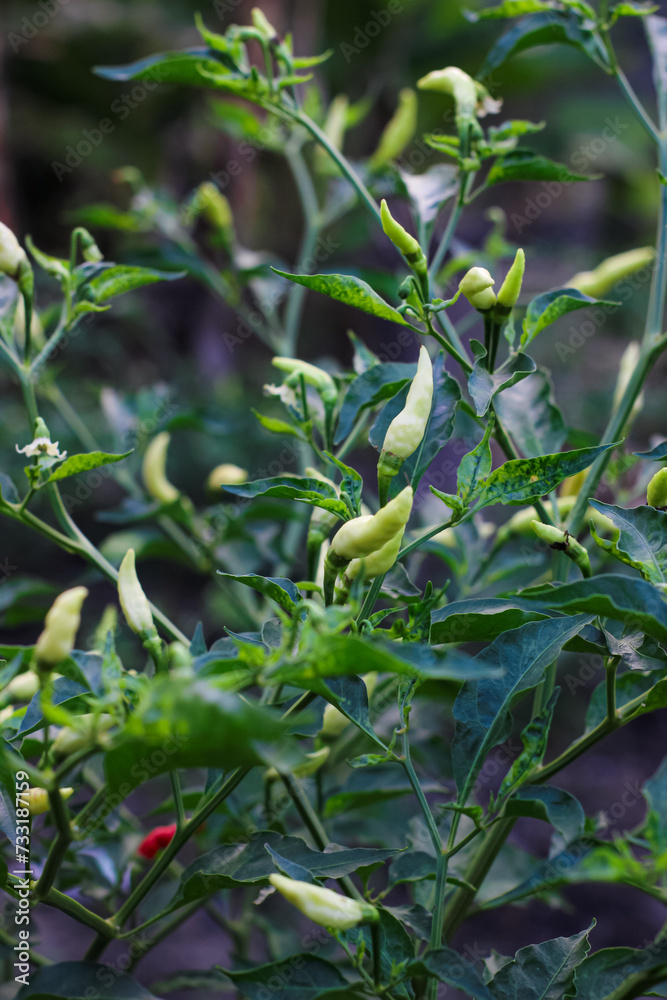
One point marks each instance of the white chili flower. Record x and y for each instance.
(41, 446)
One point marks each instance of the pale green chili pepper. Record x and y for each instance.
(602, 279)
(562, 541)
(61, 625)
(398, 132)
(656, 493)
(408, 246)
(406, 431)
(153, 470)
(133, 601)
(508, 296)
(324, 906)
(357, 538)
(476, 285)
(376, 564)
(311, 375)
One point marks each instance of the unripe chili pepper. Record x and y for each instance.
(377, 563)
(408, 246)
(406, 431)
(61, 625)
(508, 296)
(310, 765)
(656, 493)
(12, 254)
(156, 840)
(520, 523)
(311, 375)
(333, 721)
(153, 470)
(602, 279)
(262, 24)
(571, 487)
(362, 535)
(226, 475)
(476, 285)
(563, 541)
(399, 130)
(217, 211)
(334, 128)
(626, 370)
(23, 687)
(86, 731)
(324, 906)
(133, 601)
(454, 81)
(38, 799)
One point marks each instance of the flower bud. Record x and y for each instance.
(133, 601)
(476, 285)
(62, 623)
(153, 470)
(399, 130)
(310, 765)
(226, 475)
(324, 906)
(600, 281)
(311, 375)
(508, 296)
(563, 541)
(12, 254)
(656, 493)
(85, 732)
(38, 799)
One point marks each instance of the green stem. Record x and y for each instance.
(310, 209)
(67, 905)
(450, 229)
(638, 984)
(58, 848)
(342, 163)
(611, 666)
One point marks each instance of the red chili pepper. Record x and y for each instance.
(156, 840)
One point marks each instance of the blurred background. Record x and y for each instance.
(173, 356)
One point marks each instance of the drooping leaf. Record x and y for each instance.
(545, 309)
(375, 385)
(554, 805)
(350, 290)
(529, 414)
(484, 385)
(525, 165)
(313, 491)
(111, 280)
(483, 708)
(279, 589)
(605, 971)
(183, 67)
(607, 595)
(75, 464)
(431, 190)
(546, 28)
(510, 8)
(479, 619)
(657, 454)
(542, 971)
(250, 863)
(642, 542)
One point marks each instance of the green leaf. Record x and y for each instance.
(185, 67)
(483, 708)
(607, 595)
(352, 484)
(605, 971)
(642, 542)
(546, 28)
(631, 9)
(534, 737)
(475, 467)
(524, 165)
(367, 786)
(448, 967)
(278, 588)
(277, 426)
(75, 464)
(545, 309)
(313, 491)
(542, 971)
(657, 454)
(554, 805)
(111, 280)
(81, 980)
(350, 290)
(522, 480)
(483, 384)
(655, 793)
(299, 977)
(510, 8)
(250, 863)
(479, 619)
(529, 414)
(186, 723)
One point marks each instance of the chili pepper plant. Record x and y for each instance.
(320, 777)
